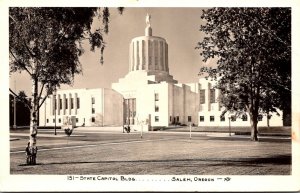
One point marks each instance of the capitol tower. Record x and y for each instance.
(152, 97)
(150, 53)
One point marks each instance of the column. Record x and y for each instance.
(136, 55)
(163, 56)
(143, 55)
(150, 58)
(166, 57)
(133, 56)
(147, 55)
(156, 67)
(130, 56)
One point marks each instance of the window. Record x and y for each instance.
(202, 96)
(93, 119)
(170, 118)
(156, 96)
(222, 118)
(93, 110)
(212, 118)
(212, 95)
(156, 118)
(60, 103)
(47, 120)
(53, 120)
(59, 120)
(143, 55)
(177, 119)
(55, 104)
(259, 117)
(244, 117)
(76, 120)
(201, 118)
(156, 54)
(189, 118)
(66, 102)
(156, 108)
(149, 52)
(72, 103)
(78, 103)
(93, 100)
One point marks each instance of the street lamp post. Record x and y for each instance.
(55, 106)
(229, 119)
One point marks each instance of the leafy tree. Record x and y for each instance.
(46, 43)
(22, 108)
(253, 51)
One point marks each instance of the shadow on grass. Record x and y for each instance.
(246, 162)
(237, 138)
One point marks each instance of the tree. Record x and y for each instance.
(253, 51)
(22, 108)
(46, 43)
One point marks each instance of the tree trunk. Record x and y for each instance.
(254, 131)
(268, 119)
(31, 148)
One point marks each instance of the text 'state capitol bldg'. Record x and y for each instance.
(148, 95)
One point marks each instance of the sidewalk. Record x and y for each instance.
(99, 129)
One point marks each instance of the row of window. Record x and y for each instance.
(67, 104)
(233, 118)
(59, 120)
(175, 119)
(212, 98)
(156, 99)
(93, 105)
(211, 118)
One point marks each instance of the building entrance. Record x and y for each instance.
(129, 111)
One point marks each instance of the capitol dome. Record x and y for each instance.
(150, 54)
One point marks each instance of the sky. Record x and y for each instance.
(179, 26)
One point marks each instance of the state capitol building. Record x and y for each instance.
(148, 95)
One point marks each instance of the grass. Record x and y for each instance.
(165, 155)
(235, 129)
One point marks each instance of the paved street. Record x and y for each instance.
(161, 153)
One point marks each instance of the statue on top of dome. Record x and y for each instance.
(148, 17)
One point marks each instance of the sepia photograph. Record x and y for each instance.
(152, 98)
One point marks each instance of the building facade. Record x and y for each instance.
(210, 109)
(89, 107)
(148, 96)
